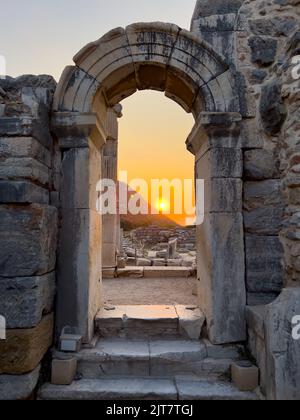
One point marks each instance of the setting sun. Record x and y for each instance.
(163, 206)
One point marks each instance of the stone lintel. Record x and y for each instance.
(74, 129)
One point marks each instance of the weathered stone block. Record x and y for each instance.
(223, 195)
(220, 163)
(28, 240)
(283, 352)
(245, 376)
(18, 387)
(23, 350)
(218, 7)
(24, 300)
(263, 50)
(63, 371)
(264, 221)
(79, 271)
(191, 321)
(258, 299)
(22, 147)
(81, 169)
(261, 164)
(264, 256)
(143, 262)
(24, 168)
(256, 340)
(27, 127)
(271, 108)
(274, 26)
(22, 192)
(262, 194)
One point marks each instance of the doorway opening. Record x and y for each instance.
(156, 253)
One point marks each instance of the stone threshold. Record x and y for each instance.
(139, 321)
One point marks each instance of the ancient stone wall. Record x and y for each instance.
(261, 48)
(252, 35)
(153, 235)
(29, 167)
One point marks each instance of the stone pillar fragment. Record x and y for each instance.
(220, 238)
(79, 265)
(111, 222)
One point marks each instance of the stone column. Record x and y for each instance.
(111, 222)
(79, 261)
(215, 142)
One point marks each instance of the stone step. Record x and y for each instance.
(123, 388)
(153, 358)
(146, 321)
(148, 272)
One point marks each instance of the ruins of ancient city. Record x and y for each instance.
(105, 305)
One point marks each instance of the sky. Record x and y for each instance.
(42, 36)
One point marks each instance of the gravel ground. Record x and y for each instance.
(125, 291)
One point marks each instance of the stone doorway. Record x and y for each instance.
(162, 57)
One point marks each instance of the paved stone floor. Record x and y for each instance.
(144, 291)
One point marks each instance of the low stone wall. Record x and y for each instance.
(152, 236)
(28, 230)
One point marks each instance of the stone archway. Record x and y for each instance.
(162, 57)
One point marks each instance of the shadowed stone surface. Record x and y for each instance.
(23, 300)
(272, 110)
(22, 192)
(112, 389)
(263, 50)
(18, 387)
(28, 240)
(191, 389)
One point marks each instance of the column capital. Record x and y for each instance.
(214, 129)
(75, 129)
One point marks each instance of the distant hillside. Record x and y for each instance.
(129, 221)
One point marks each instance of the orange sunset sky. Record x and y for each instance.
(152, 136)
(154, 129)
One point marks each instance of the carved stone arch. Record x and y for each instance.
(163, 57)
(157, 56)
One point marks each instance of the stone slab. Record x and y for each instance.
(211, 391)
(113, 357)
(22, 192)
(176, 272)
(16, 169)
(23, 350)
(79, 271)
(137, 321)
(26, 127)
(22, 147)
(223, 351)
(81, 172)
(24, 300)
(131, 272)
(221, 271)
(112, 389)
(264, 264)
(18, 387)
(283, 352)
(28, 240)
(261, 164)
(220, 162)
(177, 357)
